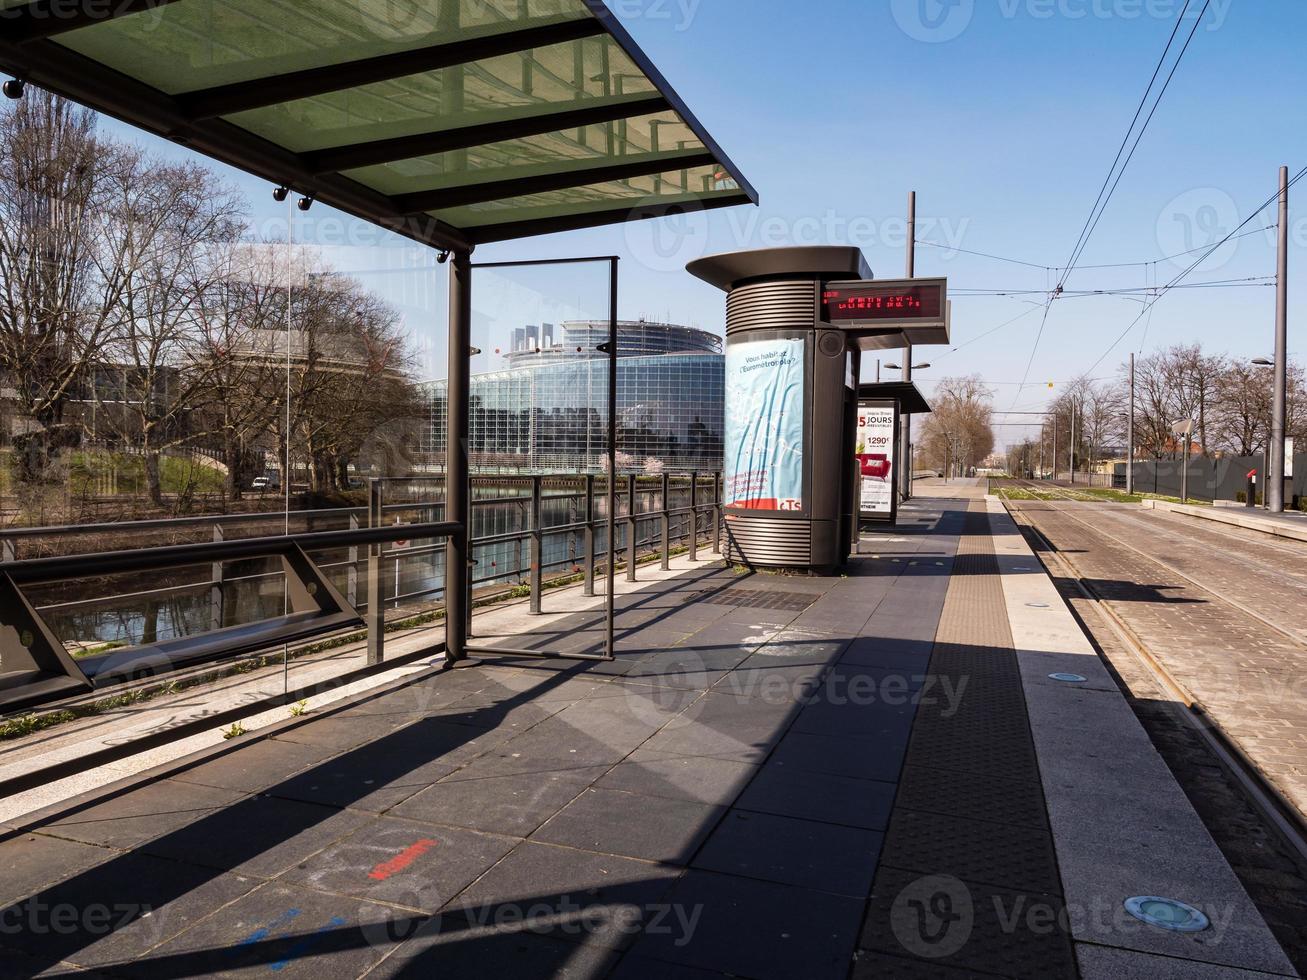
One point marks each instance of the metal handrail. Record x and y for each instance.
(60, 568)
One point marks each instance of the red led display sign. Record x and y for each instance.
(891, 301)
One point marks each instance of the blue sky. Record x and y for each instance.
(1003, 115)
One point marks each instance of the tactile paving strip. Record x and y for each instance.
(969, 832)
(757, 599)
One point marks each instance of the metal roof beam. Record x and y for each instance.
(529, 227)
(637, 165)
(534, 121)
(258, 93)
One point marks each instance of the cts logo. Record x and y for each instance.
(933, 21)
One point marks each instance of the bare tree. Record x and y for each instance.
(156, 359)
(62, 270)
(241, 316)
(959, 430)
(350, 376)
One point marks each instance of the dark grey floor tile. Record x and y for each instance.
(285, 931)
(819, 796)
(255, 767)
(858, 758)
(870, 965)
(260, 836)
(793, 852)
(116, 911)
(648, 827)
(402, 862)
(456, 946)
(381, 774)
(720, 726)
(642, 968)
(345, 731)
(699, 780)
(33, 861)
(15, 964)
(752, 928)
(851, 720)
(514, 805)
(578, 896)
(143, 814)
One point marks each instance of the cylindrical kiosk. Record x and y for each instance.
(791, 386)
(797, 322)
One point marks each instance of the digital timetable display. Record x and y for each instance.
(897, 301)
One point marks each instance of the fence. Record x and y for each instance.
(1210, 479)
(525, 531)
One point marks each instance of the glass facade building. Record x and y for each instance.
(547, 412)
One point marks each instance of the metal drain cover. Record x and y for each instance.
(1166, 913)
(757, 599)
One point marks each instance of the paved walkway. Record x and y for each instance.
(866, 775)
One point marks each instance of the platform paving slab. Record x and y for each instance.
(513, 805)
(792, 932)
(652, 828)
(789, 851)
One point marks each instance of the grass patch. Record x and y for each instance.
(95, 473)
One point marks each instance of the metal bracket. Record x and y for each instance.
(34, 665)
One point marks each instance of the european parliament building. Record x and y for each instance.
(546, 412)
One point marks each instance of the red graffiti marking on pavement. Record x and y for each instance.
(401, 860)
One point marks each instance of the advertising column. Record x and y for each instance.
(764, 425)
(877, 423)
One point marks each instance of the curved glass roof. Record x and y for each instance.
(454, 122)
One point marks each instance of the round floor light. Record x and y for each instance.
(1166, 913)
(1038, 605)
(1069, 678)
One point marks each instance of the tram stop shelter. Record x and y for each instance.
(454, 123)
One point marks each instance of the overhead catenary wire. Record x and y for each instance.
(1144, 128)
(1105, 195)
(1102, 265)
(1199, 261)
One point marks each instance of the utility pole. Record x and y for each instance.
(905, 451)
(1130, 433)
(1054, 447)
(1275, 478)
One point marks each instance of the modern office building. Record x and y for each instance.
(545, 412)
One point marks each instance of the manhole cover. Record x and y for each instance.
(757, 599)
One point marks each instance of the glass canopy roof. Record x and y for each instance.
(454, 122)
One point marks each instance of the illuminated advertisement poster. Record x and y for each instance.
(764, 425)
(876, 457)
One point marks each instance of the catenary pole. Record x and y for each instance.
(905, 449)
(1275, 478)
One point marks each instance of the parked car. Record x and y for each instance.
(261, 483)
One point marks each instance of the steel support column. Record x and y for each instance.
(457, 474)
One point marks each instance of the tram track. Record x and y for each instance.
(1261, 831)
(1277, 808)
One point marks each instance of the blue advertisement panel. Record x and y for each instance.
(764, 424)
